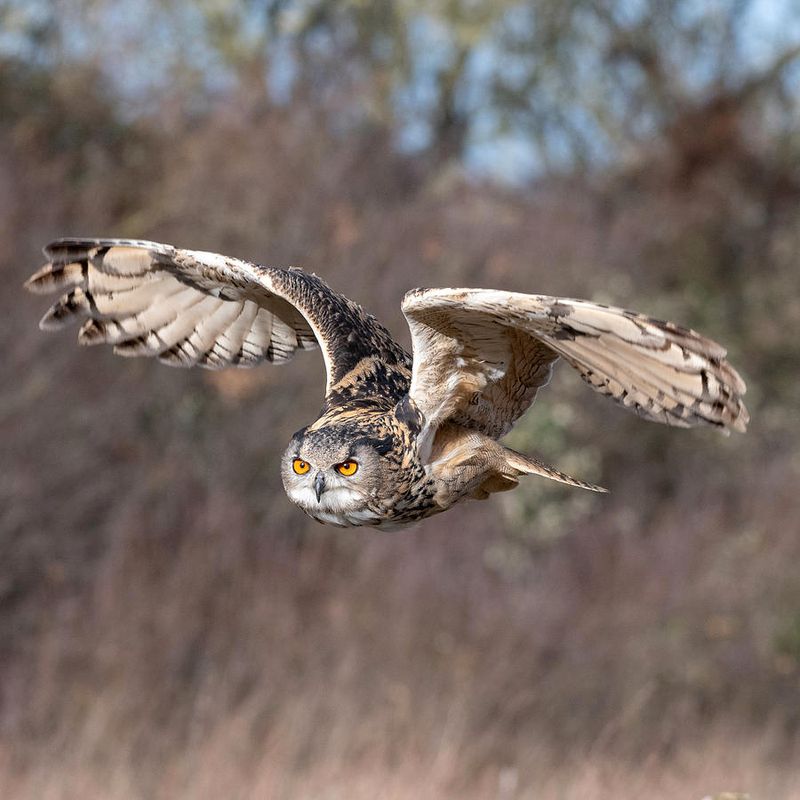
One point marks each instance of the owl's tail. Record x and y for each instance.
(468, 462)
(527, 465)
(505, 475)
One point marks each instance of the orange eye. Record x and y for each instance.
(347, 468)
(300, 466)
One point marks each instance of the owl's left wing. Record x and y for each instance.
(192, 308)
(480, 356)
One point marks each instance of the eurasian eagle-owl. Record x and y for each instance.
(399, 438)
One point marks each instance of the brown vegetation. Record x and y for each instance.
(171, 627)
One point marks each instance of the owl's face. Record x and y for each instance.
(334, 474)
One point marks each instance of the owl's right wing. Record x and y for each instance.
(190, 308)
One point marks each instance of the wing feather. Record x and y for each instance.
(481, 355)
(192, 308)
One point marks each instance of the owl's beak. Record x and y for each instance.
(319, 485)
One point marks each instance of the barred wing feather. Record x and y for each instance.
(481, 355)
(191, 308)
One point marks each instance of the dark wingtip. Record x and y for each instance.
(407, 413)
(41, 280)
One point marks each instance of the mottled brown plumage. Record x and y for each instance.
(397, 440)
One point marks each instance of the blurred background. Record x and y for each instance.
(170, 626)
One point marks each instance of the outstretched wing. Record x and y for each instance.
(191, 308)
(480, 356)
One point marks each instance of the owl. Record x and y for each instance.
(400, 436)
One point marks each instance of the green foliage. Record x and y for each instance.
(540, 512)
(787, 639)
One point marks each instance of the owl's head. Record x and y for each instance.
(334, 472)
